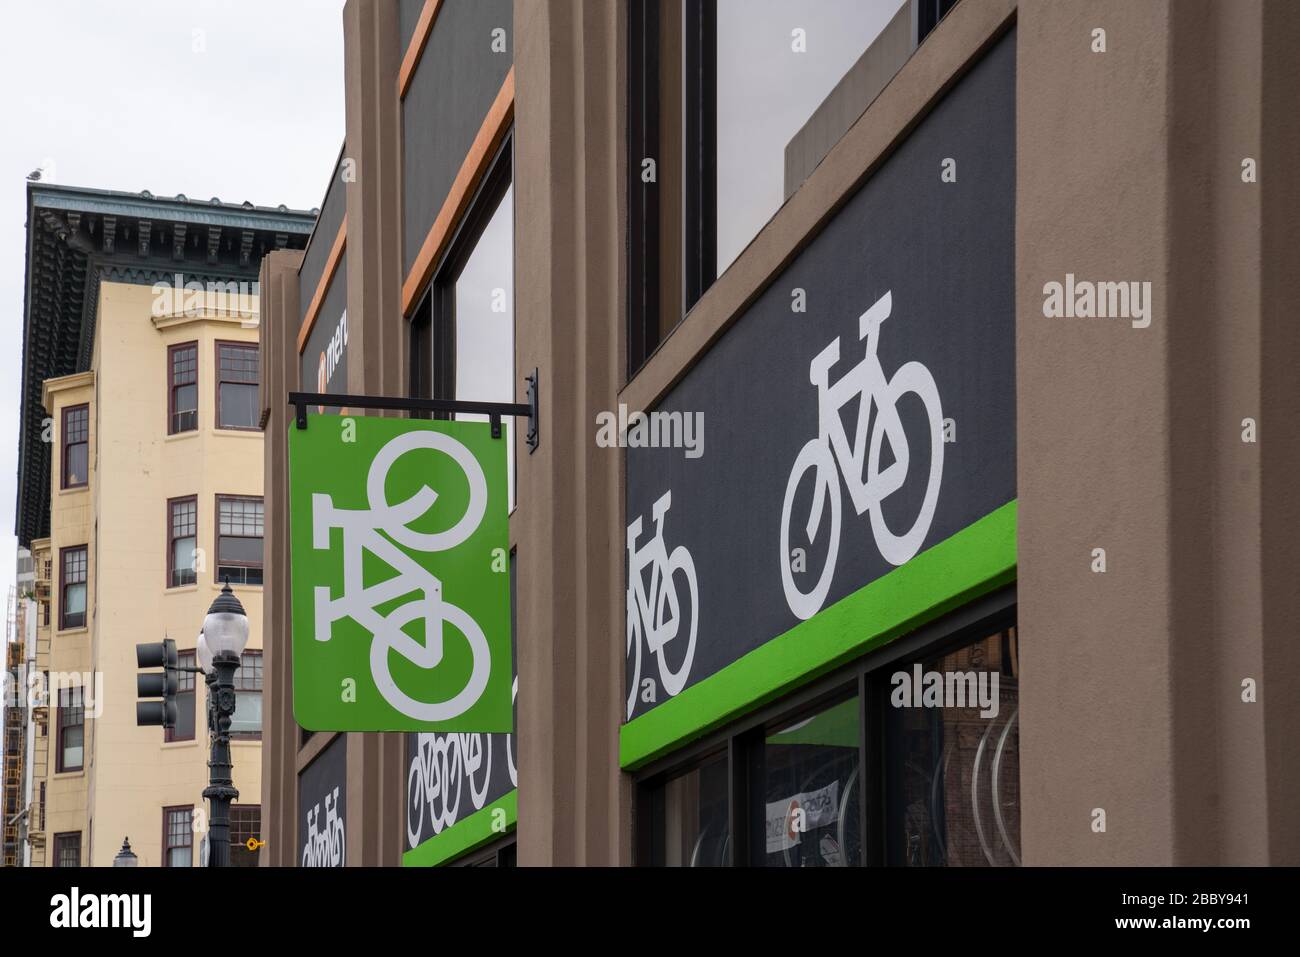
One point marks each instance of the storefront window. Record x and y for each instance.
(914, 762)
(688, 824)
(953, 768)
(808, 777)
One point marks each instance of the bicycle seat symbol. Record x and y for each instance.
(656, 614)
(832, 456)
(362, 533)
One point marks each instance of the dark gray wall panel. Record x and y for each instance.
(322, 239)
(329, 325)
(946, 254)
(452, 90)
(323, 794)
(408, 14)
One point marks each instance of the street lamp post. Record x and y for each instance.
(126, 857)
(225, 632)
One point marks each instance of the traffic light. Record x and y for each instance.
(157, 684)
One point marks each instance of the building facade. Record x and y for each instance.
(911, 484)
(140, 492)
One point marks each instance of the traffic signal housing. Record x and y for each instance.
(157, 684)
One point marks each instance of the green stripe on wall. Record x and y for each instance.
(977, 560)
(463, 836)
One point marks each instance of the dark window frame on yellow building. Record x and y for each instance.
(248, 682)
(179, 528)
(733, 759)
(71, 716)
(232, 368)
(66, 844)
(245, 823)
(239, 570)
(186, 355)
(186, 699)
(177, 823)
(76, 440)
(80, 569)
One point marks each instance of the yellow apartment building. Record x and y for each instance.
(140, 492)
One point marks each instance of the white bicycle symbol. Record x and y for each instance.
(656, 614)
(831, 454)
(442, 765)
(327, 847)
(362, 533)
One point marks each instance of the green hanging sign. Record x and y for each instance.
(399, 560)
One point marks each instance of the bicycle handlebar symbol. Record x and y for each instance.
(832, 456)
(657, 614)
(362, 533)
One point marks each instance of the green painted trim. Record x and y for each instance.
(977, 560)
(464, 836)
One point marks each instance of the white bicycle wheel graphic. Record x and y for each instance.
(435, 710)
(633, 649)
(415, 801)
(826, 491)
(915, 378)
(670, 601)
(482, 744)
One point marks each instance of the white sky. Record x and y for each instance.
(241, 99)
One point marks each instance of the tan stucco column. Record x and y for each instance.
(1130, 168)
(376, 353)
(574, 803)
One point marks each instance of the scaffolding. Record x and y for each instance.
(13, 801)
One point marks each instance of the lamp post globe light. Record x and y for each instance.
(126, 857)
(225, 632)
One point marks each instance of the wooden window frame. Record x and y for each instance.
(172, 539)
(167, 847)
(250, 653)
(244, 807)
(59, 766)
(172, 386)
(64, 583)
(185, 659)
(218, 563)
(65, 445)
(218, 381)
(59, 839)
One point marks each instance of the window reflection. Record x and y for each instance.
(953, 774)
(777, 64)
(809, 779)
(485, 327)
(693, 814)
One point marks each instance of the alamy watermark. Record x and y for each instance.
(947, 689)
(651, 430)
(34, 689)
(235, 299)
(1083, 299)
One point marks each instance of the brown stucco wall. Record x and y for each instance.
(1129, 167)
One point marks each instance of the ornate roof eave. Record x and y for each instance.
(79, 237)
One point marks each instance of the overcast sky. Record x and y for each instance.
(241, 99)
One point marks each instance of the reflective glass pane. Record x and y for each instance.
(248, 712)
(953, 771)
(778, 107)
(238, 405)
(693, 818)
(485, 322)
(808, 776)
